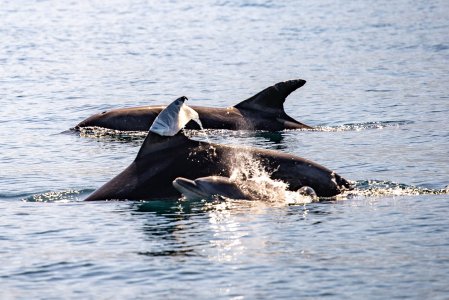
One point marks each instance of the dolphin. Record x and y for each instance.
(209, 188)
(263, 111)
(161, 159)
(213, 187)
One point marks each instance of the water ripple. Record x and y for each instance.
(376, 90)
(59, 196)
(381, 188)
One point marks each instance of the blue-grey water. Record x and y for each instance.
(378, 78)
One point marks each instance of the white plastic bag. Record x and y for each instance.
(173, 118)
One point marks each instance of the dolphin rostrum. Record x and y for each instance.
(263, 111)
(161, 159)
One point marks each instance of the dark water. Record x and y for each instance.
(377, 90)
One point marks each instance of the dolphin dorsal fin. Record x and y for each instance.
(154, 143)
(272, 98)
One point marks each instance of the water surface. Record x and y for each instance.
(377, 76)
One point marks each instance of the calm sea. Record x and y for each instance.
(377, 89)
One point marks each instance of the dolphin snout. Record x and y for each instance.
(184, 183)
(188, 188)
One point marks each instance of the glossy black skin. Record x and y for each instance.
(162, 159)
(263, 111)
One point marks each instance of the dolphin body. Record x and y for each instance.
(161, 159)
(263, 111)
(211, 187)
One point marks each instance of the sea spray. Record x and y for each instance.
(379, 188)
(250, 174)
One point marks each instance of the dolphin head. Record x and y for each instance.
(208, 188)
(308, 192)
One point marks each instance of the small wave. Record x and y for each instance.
(58, 196)
(379, 188)
(270, 191)
(112, 135)
(137, 136)
(362, 126)
(249, 4)
(101, 131)
(278, 134)
(439, 47)
(378, 91)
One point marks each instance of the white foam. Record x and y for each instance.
(254, 179)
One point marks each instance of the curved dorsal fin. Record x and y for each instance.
(272, 98)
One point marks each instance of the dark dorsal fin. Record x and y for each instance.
(154, 143)
(272, 99)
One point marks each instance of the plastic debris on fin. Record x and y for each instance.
(173, 118)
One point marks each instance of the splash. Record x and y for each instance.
(361, 126)
(105, 133)
(378, 188)
(254, 179)
(111, 134)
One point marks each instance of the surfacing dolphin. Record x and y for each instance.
(263, 111)
(162, 159)
(213, 187)
(210, 187)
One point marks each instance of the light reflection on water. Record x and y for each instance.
(244, 246)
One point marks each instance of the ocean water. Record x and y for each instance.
(377, 90)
